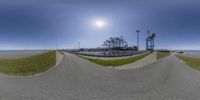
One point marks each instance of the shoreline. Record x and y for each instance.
(17, 54)
(190, 55)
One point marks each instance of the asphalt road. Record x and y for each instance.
(78, 79)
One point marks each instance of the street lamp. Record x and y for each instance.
(56, 47)
(138, 31)
(78, 45)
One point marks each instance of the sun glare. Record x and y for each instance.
(99, 23)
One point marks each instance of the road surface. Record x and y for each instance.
(78, 79)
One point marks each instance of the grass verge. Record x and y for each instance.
(162, 55)
(194, 62)
(29, 65)
(116, 62)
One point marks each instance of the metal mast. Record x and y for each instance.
(138, 31)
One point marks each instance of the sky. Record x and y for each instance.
(50, 24)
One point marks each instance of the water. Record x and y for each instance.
(192, 52)
(20, 53)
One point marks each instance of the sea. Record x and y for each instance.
(192, 52)
(20, 53)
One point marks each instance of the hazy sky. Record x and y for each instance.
(38, 24)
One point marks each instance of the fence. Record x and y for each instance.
(109, 53)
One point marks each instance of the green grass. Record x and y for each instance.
(115, 62)
(191, 61)
(28, 65)
(162, 55)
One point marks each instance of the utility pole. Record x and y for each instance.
(138, 31)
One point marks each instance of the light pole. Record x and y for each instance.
(78, 45)
(138, 31)
(56, 47)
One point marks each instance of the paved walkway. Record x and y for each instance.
(151, 58)
(78, 79)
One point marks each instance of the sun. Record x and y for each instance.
(99, 23)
